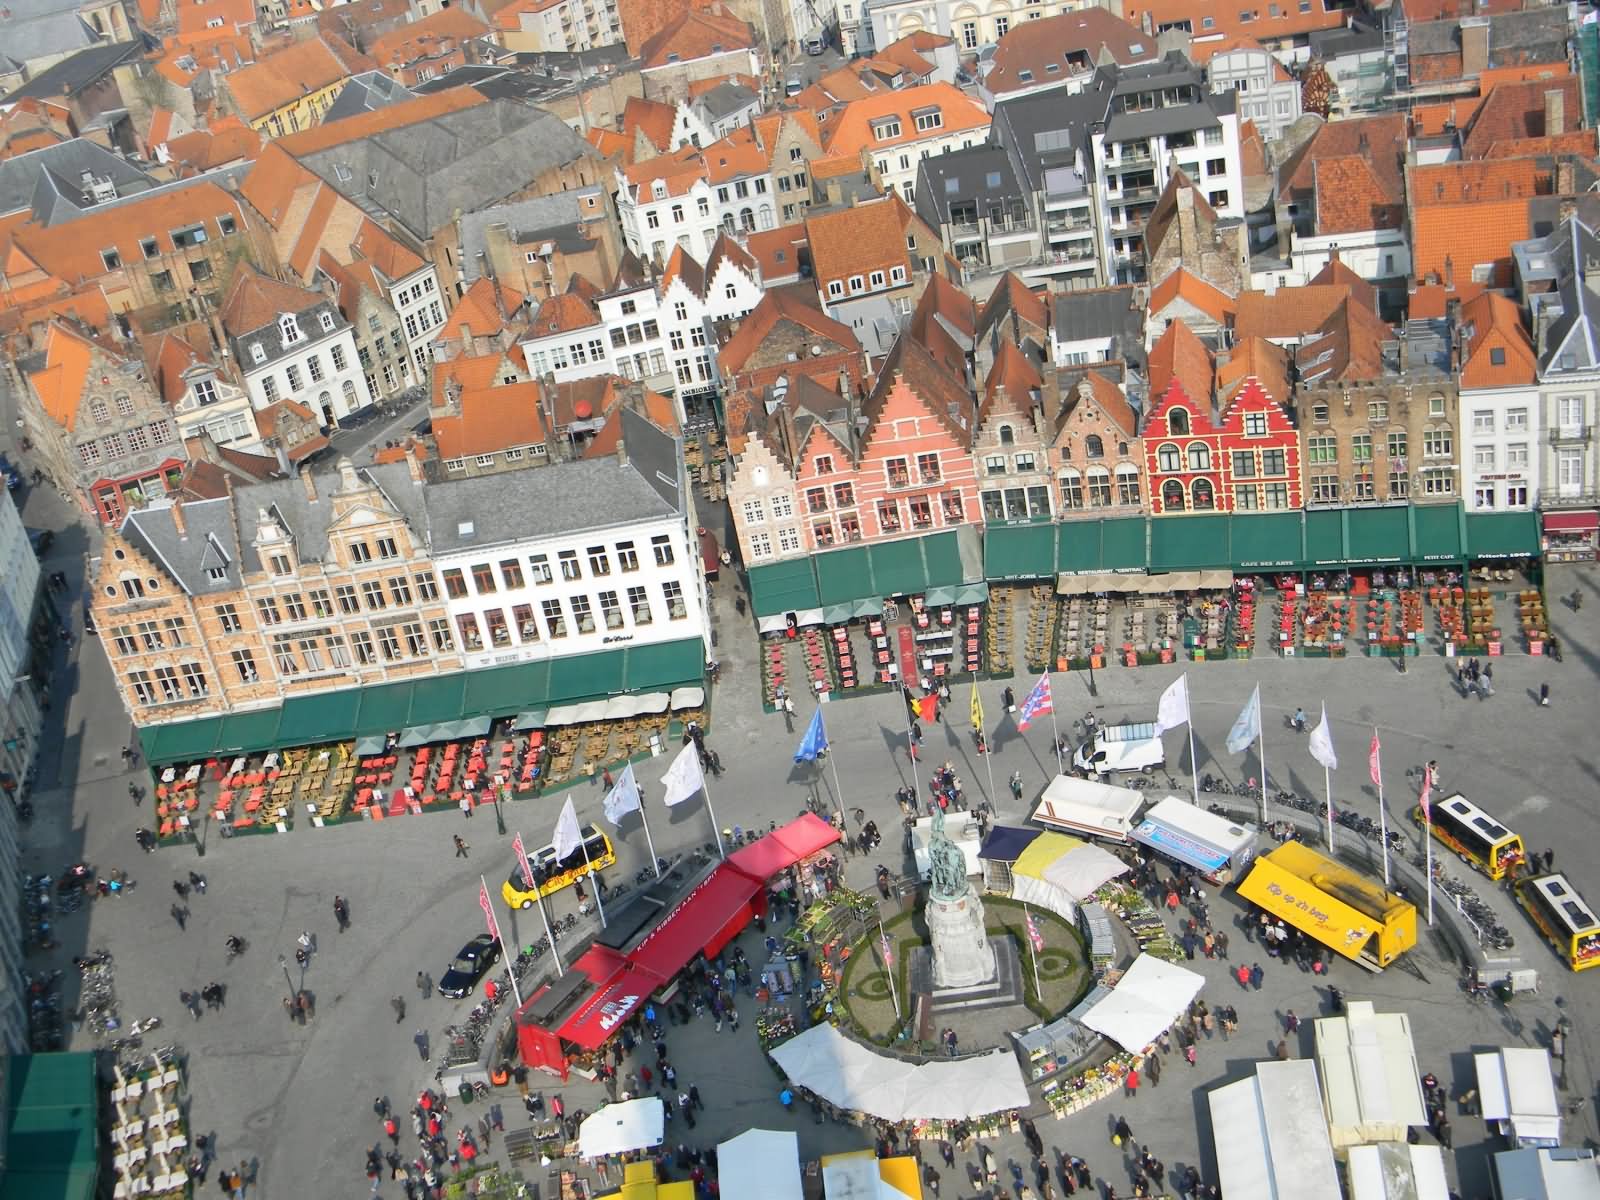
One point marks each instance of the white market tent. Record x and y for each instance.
(760, 1164)
(1058, 872)
(1270, 1137)
(850, 1076)
(1370, 1079)
(1396, 1171)
(1519, 1096)
(1546, 1174)
(857, 1177)
(619, 1128)
(1151, 995)
(961, 828)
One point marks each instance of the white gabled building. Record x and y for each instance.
(694, 300)
(293, 344)
(201, 397)
(1500, 410)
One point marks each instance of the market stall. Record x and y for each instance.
(1216, 846)
(621, 1128)
(1058, 872)
(853, 1077)
(862, 1175)
(1270, 1138)
(1518, 1095)
(1346, 912)
(1370, 1079)
(962, 828)
(760, 1164)
(1084, 806)
(1396, 1171)
(1149, 998)
(1565, 1174)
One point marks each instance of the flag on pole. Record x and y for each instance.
(925, 709)
(1037, 703)
(815, 742)
(1321, 745)
(1248, 727)
(1374, 766)
(977, 708)
(883, 946)
(623, 797)
(1034, 935)
(568, 834)
(684, 777)
(1174, 707)
(488, 910)
(1427, 793)
(528, 877)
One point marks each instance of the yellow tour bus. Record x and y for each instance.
(1346, 912)
(1563, 917)
(1475, 836)
(594, 855)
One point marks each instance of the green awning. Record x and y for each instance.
(898, 568)
(532, 719)
(870, 607)
(783, 587)
(385, 709)
(1502, 535)
(249, 732)
(501, 691)
(662, 666)
(1265, 542)
(52, 1135)
(1436, 533)
(1078, 546)
(972, 593)
(182, 741)
(940, 595)
(321, 717)
(371, 744)
(1324, 544)
(1124, 544)
(842, 576)
(837, 614)
(584, 676)
(1188, 543)
(437, 698)
(941, 555)
(1019, 551)
(1377, 535)
(420, 735)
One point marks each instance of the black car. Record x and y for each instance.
(470, 964)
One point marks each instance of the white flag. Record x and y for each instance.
(1248, 727)
(568, 836)
(684, 777)
(1174, 708)
(623, 797)
(1322, 743)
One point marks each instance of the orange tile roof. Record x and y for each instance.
(1180, 285)
(777, 251)
(269, 419)
(657, 409)
(1258, 359)
(385, 251)
(206, 149)
(492, 419)
(393, 116)
(59, 384)
(273, 181)
(308, 243)
(851, 131)
(1516, 110)
(1108, 395)
(1014, 295)
(609, 142)
(1432, 299)
(653, 118)
(643, 19)
(1012, 383)
(86, 304)
(1379, 143)
(855, 241)
(1289, 312)
(256, 300)
(1338, 274)
(1266, 22)
(195, 16)
(698, 33)
(1492, 322)
(431, 35)
(563, 314)
(1179, 354)
(683, 265)
(281, 79)
(780, 304)
(1253, 161)
(478, 313)
(1053, 49)
(699, 87)
(1468, 214)
(469, 372)
(1348, 346)
(1353, 197)
(1579, 141)
(678, 170)
(912, 50)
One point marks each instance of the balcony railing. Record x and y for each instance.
(1059, 228)
(1551, 498)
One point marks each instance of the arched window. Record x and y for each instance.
(1093, 446)
(1199, 456)
(1071, 490)
(350, 394)
(747, 220)
(1172, 496)
(288, 330)
(1203, 498)
(1008, 436)
(1169, 457)
(1178, 420)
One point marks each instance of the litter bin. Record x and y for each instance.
(464, 1090)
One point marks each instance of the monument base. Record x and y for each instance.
(962, 955)
(1005, 988)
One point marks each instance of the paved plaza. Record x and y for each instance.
(296, 1101)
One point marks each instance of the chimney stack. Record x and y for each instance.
(622, 453)
(1555, 112)
(309, 483)
(177, 519)
(1474, 46)
(1188, 228)
(413, 463)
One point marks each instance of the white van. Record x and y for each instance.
(816, 43)
(1121, 748)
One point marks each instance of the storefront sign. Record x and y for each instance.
(1180, 846)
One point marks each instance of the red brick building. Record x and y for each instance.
(1245, 460)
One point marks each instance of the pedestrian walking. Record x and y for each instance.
(421, 1040)
(1544, 695)
(733, 1019)
(1189, 1053)
(1222, 945)
(1130, 1084)
(1256, 976)
(1243, 976)
(1016, 786)
(424, 984)
(1283, 1051)
(180, 915)
(181, 888)
(694, 1097)
(1549, 861)
(461, 845)
(341, 912)
(466, 806)
(1291, 1023)
(399, 1006)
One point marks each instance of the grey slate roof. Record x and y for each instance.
(76, 72)
(1571, 342)
(1050, 129)
(724, 100)
(211, 541)
(308, 520)
(425, 173)
(366, 92)
(556, 212)
(1102, 312)
(34, 29)
(981, 174)
(1512, 36)
(1328, 44)
(469, 74)
(49, 180)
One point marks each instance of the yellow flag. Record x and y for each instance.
(977, 707)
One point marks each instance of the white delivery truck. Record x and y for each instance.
(1121, 748)
(1088, 808)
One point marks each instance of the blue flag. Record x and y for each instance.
(815, 741)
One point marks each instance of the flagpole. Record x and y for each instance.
(1383, 820)
(1327, 787)
(648, 840)
(838, 789)
(1027, 916)
(888, 967)
(500, 937)
(538, 892)
(1055, 734)
(715, 828)
(1261, 752)
(1194, 763)
(988, 751)
(1427, 834)
(599, 903)
(911, 743)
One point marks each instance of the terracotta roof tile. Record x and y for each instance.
(282, 78)
(1012, 383)
(1253, 160)
(478, 313)
(405, 45)
(393, 116)
(678, 171)
(1289, 312)
(1268, 23)
(944, 394)
(855, 241)
(1338, 274)
(778, 251)
(610, 143)
(1179, 355)
(1379, 139)
(1258, 359)
(195, 16)
(492, 419)
(1516, 110)
(563, 314)
(1054, 49)
(1348, 346)
(470, 372)
(1352, 196)
(1180, 285)
(698, 33)
(1492, 328)
(385, 251)
(653, 118)
(1578, 141)
(643, 19)
(167, 356)
(780, 304)
(1012, 295)
(59, 384)
(1467, 214)
(1431, 300)
(683, 265)
(699, 87)
(1108, 395)
(256, 300)
(657, 409)
(851, 131)
(207, 149)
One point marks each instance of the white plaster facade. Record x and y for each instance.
(654, 221)
(1500, 432)
(212, 405)
(1268, 95)
(314, 362)
(688, 320)
(419, 304)
(973, 23)
(632, 318)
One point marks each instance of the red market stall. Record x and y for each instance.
(705, 921)
(781, 849)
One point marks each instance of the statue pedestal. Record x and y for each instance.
(962, 955)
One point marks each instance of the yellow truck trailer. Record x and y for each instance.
(1324, 899)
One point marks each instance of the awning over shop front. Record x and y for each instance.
(687, 697)
(1436, 533)
(836, 614)
(784, 847)
(1571, 522)
(1265, 541)
(937, 596)
(620, 1128)
(1324, 537)
(1502, 535)
(1377, 535)
(843, 576)
(869, 607)
(1124, 544)
(533, 718)
(371, 745)
(323, 717)
(898, 568)
(247, 732)
(1188, 543)
(777, 588)
(972, 593)
(1019, 551)
(1215, 581)
(705, 921)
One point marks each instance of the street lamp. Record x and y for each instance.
(499, 817)
(283, 962)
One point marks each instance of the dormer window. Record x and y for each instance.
(1178, 420)
(326, 321)
(205, 392)
(288, 330)
(929, 119)
(257, 354)
(886, 130)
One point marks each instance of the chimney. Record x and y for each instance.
(309, 483)
(1555, 112)
(414, 464)
(1188, 231)
(178, 521)
(1449, 273)
(285, 467)
(1474, 46)
(1564, 181)
(622, 453)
